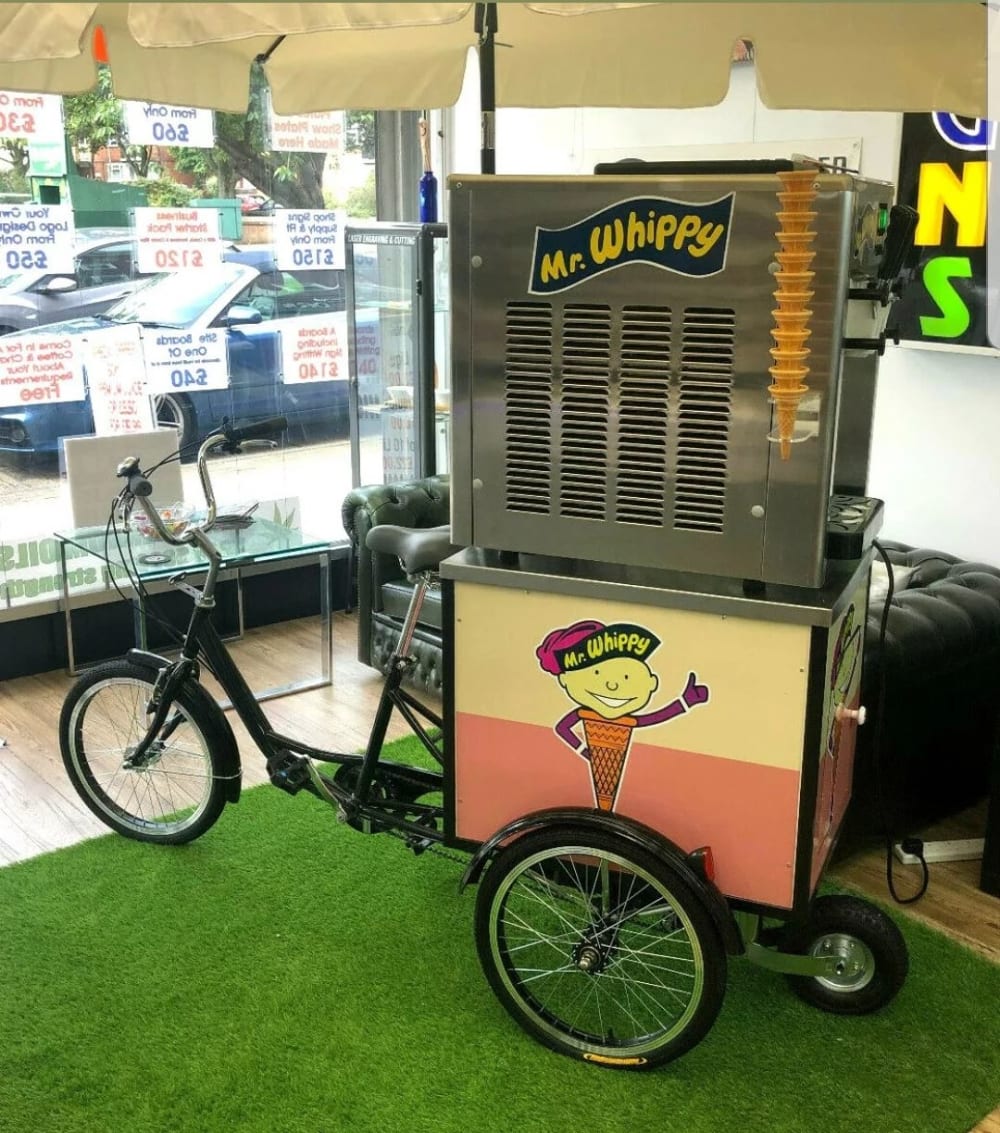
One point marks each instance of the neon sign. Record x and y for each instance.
(945, 175)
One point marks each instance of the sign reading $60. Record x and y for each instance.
(690, 239)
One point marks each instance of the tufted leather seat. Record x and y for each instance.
(383, 589)
(941, 661)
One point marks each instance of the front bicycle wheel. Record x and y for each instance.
(175, 792)
(599, 949)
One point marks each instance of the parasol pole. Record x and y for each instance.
(486, 26)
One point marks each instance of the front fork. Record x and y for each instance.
(171, 678)
(168, 684)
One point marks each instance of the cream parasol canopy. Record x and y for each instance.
(864, 55)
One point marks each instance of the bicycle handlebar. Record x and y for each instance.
(141, 489)
(138, 485)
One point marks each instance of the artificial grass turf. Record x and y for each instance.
(286, 974)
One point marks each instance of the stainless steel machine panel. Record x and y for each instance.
(623, 415)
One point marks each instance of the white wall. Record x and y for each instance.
(570, 140)
(936, 450)
(936, 442)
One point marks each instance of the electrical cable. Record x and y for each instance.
(910, 845)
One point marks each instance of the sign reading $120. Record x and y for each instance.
(678, 236)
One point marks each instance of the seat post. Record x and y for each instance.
(413, 614)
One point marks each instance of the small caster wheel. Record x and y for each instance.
(872, 956)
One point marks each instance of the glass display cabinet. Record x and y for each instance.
(399, 337)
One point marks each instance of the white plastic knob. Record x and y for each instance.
(859, 714)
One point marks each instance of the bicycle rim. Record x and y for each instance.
(171, 791)
(597, 952)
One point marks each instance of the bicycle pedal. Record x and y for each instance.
(289, 772)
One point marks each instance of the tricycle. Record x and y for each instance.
(605, 938)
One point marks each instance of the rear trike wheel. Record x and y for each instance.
(598, 948)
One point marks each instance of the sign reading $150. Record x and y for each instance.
(690, 239)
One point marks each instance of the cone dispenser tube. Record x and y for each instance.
(794, 277)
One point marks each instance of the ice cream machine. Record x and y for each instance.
(662, 401)
(653, 370)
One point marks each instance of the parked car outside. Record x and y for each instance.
(256, 204)
(253, 301)
(103, 273)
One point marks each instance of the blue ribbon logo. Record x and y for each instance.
(689, 239)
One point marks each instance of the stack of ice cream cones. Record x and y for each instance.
(791, 319)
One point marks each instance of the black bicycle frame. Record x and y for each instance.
(202, 638)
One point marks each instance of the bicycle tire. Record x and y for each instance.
(533, 951)
(178, 793)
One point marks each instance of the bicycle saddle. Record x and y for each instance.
(416, 550)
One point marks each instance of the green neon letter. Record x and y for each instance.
(954, 319)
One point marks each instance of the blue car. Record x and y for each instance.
(251, 299)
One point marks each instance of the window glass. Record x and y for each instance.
(249, 186)
(290, 294)
(101, 266)
(179, 298)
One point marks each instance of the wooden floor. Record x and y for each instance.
(40, 812)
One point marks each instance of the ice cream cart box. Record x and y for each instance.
(715, 718)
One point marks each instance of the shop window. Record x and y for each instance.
(305, 478)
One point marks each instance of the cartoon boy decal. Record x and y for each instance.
(604, 669)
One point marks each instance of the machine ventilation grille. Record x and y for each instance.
(528, 404)
(703, 419)
(585, 404)
(643, 409)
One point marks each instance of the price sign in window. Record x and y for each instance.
(158, 124)
(116, 380)
(186, 360)
(36, 238)
(309, 238)
(314, 349)
(31, 116)
(176, 239)
(41, 367)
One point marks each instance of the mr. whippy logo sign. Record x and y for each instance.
(678, 236)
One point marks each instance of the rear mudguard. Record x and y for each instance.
(229, 756)
(580, 818)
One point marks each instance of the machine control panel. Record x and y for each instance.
(872, 217)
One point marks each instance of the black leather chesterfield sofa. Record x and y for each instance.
(383, 589)
(941, 714)
(941, 658)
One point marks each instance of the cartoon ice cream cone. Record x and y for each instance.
(607, 742)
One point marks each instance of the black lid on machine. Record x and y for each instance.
(852, 524)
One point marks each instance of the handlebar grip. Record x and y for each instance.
(138, 485)
(259, 430)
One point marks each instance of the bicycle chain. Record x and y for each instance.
(431, 849)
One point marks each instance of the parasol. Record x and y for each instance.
(864, 55)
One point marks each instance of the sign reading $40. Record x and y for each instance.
(678, 236)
